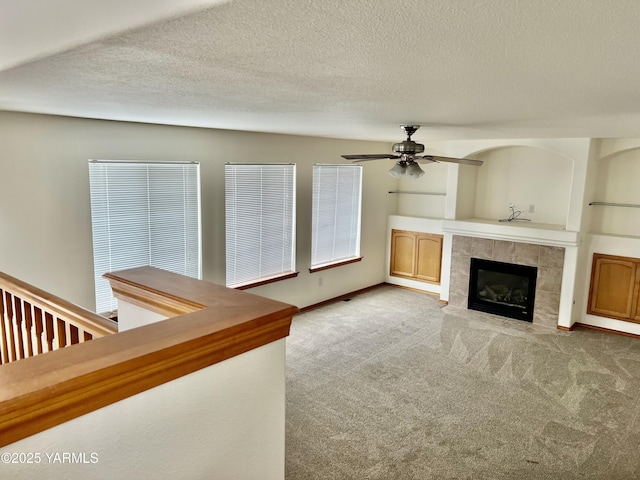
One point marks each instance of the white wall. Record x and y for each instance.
(45, 216)
(189, 428)
(618, 182)
(132, 316)
(422, 204)
(464, 200)
(523, 176)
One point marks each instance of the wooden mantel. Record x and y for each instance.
(213, 323)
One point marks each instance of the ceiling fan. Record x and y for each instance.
(407, 165)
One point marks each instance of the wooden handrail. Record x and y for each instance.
(46, 390)
(33, 321)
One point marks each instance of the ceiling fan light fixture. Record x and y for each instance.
(413, 170)
(399, 170)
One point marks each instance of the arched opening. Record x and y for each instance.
(536, 181)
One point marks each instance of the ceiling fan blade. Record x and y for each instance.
(375, 156)
(463, 161)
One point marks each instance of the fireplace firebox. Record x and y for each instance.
(503, 289)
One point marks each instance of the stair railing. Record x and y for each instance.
(33, 321)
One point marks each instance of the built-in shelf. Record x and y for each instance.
(419, 193)
(527, 232)
(610, 204)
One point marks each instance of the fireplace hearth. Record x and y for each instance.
(500, 288)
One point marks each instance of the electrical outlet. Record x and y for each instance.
(319, 281)
(532, 208)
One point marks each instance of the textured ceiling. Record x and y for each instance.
(344, 68)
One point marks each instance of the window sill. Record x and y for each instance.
(326, 266)
(264, 281)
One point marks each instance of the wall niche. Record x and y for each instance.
(521, 175)
(424, 197)
(617, 182)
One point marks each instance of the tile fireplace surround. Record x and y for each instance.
(549, 260)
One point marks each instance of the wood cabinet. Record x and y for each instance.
(615, 287)
(416, 255)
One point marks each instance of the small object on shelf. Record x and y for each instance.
(515, 216)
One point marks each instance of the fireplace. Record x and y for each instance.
(503, 289)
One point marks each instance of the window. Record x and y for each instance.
(143, 214)
(337, 200)
(260, 222)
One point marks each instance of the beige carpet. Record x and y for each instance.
(390, 385)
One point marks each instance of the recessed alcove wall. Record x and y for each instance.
(428, 193)
(521, 175)
(617, 182)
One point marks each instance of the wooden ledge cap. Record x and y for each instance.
(41, 392)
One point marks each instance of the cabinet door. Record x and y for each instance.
(403, 253)
(429, 250)
(635, 317)
(612, 287)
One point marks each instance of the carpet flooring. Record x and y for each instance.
(391, 385)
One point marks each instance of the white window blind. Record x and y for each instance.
(143, 214)
(260, 221)
(337, 199)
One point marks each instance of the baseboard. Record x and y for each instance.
(415, 290)
(341, 297)
(602, 329)
(363, 290)
(567, 329)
